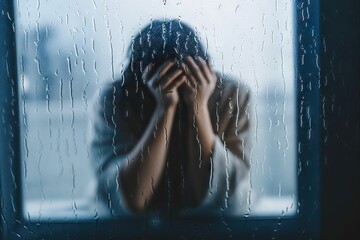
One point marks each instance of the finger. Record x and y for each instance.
(185, 68)
(211, 70)
(205, 68)
(189, 85)
(169, 79)
(190, 79)
(175, 84)
(161, 71)
(195, 70)
(164, 68)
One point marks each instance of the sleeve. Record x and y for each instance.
(112, 136)
(229, 177)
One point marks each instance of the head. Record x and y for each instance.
(160, 41)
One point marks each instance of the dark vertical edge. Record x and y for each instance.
(307, 77)
(9, 124)
(340, 26)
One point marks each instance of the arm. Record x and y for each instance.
(199, 87)
(146, 162)
(219, 164)
(202, 137)
(141, 174)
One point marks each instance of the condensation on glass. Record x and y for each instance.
(69, 49)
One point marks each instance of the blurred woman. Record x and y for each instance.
(170, 133)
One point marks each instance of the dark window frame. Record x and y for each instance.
(305, 224)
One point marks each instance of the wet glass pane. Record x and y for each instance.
(73, 57)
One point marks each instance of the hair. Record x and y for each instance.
(159, 41)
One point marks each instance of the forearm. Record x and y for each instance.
(203, 138)
(146, 162)
(206, 135)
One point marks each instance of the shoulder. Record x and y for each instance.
(118, 101)
(230, 89)
(119, 94)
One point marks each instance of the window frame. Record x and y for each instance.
(306, 223)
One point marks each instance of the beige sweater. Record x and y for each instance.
(120, 117)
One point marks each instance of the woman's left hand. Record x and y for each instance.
(200, 83)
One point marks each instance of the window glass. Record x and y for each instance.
(68, 51)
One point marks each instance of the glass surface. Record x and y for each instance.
(68, 49)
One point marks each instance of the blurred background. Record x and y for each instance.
(68, 49)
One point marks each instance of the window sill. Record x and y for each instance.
(82, 210)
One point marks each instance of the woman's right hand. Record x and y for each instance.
(164, 82)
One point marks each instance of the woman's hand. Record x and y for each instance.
(164, 82)
(200, 82)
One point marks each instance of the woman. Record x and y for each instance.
(170, 134)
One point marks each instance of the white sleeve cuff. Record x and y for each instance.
(228, 178)
(111, 185)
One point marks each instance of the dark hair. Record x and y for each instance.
(158, 42)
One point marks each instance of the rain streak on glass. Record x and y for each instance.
(69, 51)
